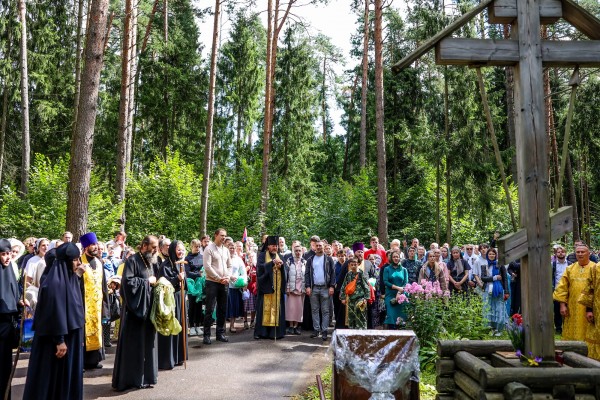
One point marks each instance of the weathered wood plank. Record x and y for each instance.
(579, 361)
(531, 145)
(444, 367)
(430, 44)
(484, 348)
(538, 378)
(470, 365)
(444, 384)
(472, 388)
(505, 52)
(505, 11)
(558, 53)
(581, 19)
(514, 245)
(456, 51)
(517, 391)
(502, 362)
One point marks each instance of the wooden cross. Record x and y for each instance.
(528, 54)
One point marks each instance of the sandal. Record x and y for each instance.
(252, 325)
(246, 326)
(232, 330)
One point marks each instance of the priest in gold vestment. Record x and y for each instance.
(270, 303)
(590, 299)
(95, 299)
(570, 287)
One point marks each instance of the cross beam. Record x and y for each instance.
(501, 52)
(514, 245)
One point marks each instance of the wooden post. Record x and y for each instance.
(532, 162)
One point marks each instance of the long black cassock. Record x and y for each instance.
(136, 361)
(9, 314)
(58, 319)
(170, 348)
(270, 303)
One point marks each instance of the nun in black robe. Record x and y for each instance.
(59, 319)
(171, 348)
(136, 361)
(9, 316)
(270, 302)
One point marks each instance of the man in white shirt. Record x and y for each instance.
(558, 269)
(217, 267)
(479, 267)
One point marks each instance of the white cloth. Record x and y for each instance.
(560, 270)
(30, 265)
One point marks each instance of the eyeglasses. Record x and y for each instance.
(469, 248)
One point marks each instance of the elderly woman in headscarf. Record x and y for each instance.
(171, 348)
(56, 362)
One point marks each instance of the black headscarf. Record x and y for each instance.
(49, 258)
(60, 303)
(173, 252)
(9, 290)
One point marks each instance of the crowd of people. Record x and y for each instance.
(84, 296)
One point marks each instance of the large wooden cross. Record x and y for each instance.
(528, 54)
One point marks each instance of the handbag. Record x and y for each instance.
(351, 287)
(115, 306)
(372, 297)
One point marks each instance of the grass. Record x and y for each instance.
(312, 392)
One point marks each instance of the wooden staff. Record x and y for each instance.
(14, 367)
(183, 313)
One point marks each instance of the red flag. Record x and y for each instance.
(245, 235)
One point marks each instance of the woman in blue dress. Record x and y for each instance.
(395, 277)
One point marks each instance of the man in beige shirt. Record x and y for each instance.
(217, 267)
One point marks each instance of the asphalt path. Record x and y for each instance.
(244, 368)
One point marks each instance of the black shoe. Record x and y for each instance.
(290, 331)
(324, 337)
(296, 331)
(314, 334)
(206, 340)
(256, 337)
(222, 338)
(146, 386)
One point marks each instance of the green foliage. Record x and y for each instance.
(43, 211)
(165, 200)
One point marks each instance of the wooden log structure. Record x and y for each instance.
(485, 348)
(502, 362)
(444, 384)
(472, 388)
(517, 391)
(539, 378)
(444, 367)
(576, 360)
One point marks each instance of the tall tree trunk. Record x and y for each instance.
(582, 210)
(324, 100)
(586, 199)
(238, 141)
(274, 25)
(165, 133)
(510, 109)
(78, 50)
(554, 146)
(133, 83)
(264, 190)
(365, 83)
(348, 131)
(447, 134)
(208, 147)
(80, 166)
(5, 91)
(572, 198)
(124, 106)
(149, 26)
(438, 179)
(25, 143)
(382, 209)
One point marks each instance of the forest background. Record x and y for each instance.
(156, 117)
